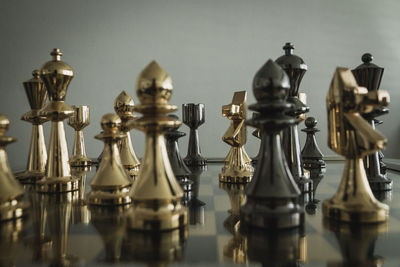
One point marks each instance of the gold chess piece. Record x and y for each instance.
(353, 137)
(111, 183)
(12, 204)
(56, 76)
(156, 193)
(78, 121)
(123, 106)
(37, 158)
(238, 168)
(80, 209)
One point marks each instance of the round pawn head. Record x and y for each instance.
(35, 91)
(4, 124)
(368, 74)
(154, 85)
(123, 105)
(56, 76)
(110, 123)
(294, 67)
(310, 122)
(270, 83)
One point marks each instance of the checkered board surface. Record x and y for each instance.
(206, 242)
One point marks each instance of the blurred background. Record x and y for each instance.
(210, 48)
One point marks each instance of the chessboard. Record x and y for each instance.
(63, 230)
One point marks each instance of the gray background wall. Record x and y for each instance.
(210, 48)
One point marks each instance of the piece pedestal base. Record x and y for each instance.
(57, 184)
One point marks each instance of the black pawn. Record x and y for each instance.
(193, 115)
(181, 171)
(272, 194)
(370, 75)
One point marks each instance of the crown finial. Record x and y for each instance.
(367, 58)
(56, 54)
(289, 47)
(310, 122)
(36, 74)
(4, 124)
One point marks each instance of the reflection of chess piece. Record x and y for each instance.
(56, 76)
(193, 115)
(357, 243)
(37, 158)
(12, 204)
(295, 68)
(78, 121)
(236, 248)
(111, 225)
(196, 207)
(257, 134)
(11, 233)
(80, 212)
(123, 106)
(351, 136)
(237, 168)
(156, 193)
(370, 75)
(111, 183)
(181, 171)
(272, 194)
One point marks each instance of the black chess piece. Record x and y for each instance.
(181, 171)
(380, 153)
(370, 75)
(272, 194)
(295, 68)
(256, 133)
(195, 205)
(193, 115)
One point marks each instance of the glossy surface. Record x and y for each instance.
(97, 236)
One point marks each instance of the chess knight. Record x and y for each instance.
(353, 137)
(238, 168)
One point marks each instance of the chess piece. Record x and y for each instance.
(193, 115)
(111, 183)
(237, 168)
(311, 154)
(357, 243)
(37, 158)
(80, 211)
(123, 106)
(272, 194)
(156, 194)
(57, 75)
(11, 235)
(181, 171)
(382, 165)
(195, 206)
(295, 68)
(12, 204)
(78, 121)
(256, 133)
(370, 75)
(351, 136)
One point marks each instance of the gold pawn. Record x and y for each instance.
(156, 193)
(238, 168)
(111, 183)
(12, 204)
(123, 106)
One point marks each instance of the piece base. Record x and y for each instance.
(13, 212)
(235, 179)
(57, 184)
(80, 161)
(29, 177)
(102, 198)
(195, 161)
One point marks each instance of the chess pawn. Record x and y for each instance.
(12, 204)
(57, 75)
(78, 121)
(123, 106)
(256, 133)
(111, 183)
(37, 158)
(181, 171)
(237, 168)
(370, 75)
(156, 193)
(295, 67)
(272, 194)
(351, 136)
(193, 115)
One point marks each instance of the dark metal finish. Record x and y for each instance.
(193, 115)
(272, 194)
(370, 75)
(257, 134)
(295, 67)
(196, 207)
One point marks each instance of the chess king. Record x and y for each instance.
(238, 168)
(353, 137)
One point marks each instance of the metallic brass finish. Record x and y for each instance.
(37, 158)
(11, 237)
(56, 76)
(12, 204)
(123, 106)
(156, 193)
(78, 121)
(238, 168)
(352, 137)
(111, 183)
(80, 209)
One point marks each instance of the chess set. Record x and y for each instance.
(284, 207)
